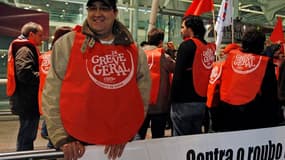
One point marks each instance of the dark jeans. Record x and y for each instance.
(157, 123)
(27, 132)
(187, 118)
(44, 134)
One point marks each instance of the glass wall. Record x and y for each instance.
(72, 13)
(3, 63)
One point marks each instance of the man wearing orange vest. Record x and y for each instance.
(191, 76)
(213, 92)
(161, 65)
(248, 87)
(44, 63)
(97, 88)
(23, 82)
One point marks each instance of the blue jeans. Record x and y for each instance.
(44, 134)
(157, 123)
(27, 132)
(187, 118)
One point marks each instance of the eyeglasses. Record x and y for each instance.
(100, 8)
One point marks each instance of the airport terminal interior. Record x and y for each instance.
(135, 14)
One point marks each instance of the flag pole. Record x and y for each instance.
(214, 23)
(233, 30)
(215, 34)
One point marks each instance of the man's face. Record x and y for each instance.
(101, 18)
(186, 32)
(37, 37)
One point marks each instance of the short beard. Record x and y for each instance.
(97, 35)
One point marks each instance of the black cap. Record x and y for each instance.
(111, 3)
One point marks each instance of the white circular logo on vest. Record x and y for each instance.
(208, 57)
(245, 63)
(150, 60)
(111, 71)
(45, 64)
(215, 73)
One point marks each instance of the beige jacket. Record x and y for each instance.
(59, 59)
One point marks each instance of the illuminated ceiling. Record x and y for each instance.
(73, 11)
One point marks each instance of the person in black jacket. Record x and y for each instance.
(24, 100)
(264, 109)
(188, 107)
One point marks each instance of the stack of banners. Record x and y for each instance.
(257, 144)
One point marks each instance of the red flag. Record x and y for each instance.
(199, 7)
(277, 35)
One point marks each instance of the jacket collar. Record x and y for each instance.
(122, 35)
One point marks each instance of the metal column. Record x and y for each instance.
(153, 14)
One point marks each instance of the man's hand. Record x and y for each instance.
(114, 151)
(73, 150)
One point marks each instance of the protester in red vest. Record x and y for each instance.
(191, 76)
(23, 82)
(161, 65)
(248, 87)
(44, 63)
(213, 92)
(97, 88)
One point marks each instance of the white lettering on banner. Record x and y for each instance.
(111, 71)
(245, 64)
(258, 144)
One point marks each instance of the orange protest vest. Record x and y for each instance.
(44, 63)
(213, 94)
(100, 102)
(242, 77)
(202, 65)
(153, 60)
(13, 48)
(230, 47)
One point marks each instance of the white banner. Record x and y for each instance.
(259, 144)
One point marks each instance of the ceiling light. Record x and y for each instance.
(28, 7)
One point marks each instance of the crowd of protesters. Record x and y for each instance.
(94, 67)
